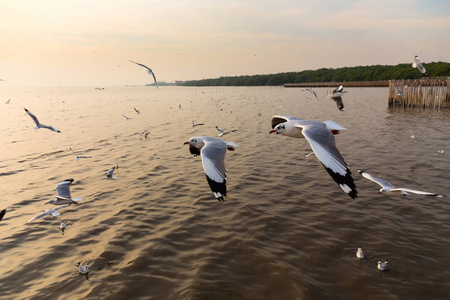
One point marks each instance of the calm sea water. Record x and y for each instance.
(285, 231)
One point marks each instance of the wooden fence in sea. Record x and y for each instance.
(376, 83)
(431, 93)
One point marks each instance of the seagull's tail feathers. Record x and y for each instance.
(414, 65)
(77, 199)
(334, 127)
(231, 146)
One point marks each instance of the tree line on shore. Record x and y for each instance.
(360, 73)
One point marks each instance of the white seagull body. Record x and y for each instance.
(77, 157)
(383, 265)
(359, 253)
(52, 212)
(336, 96)
(64, 197)
(83, 269)
(148, 70)
(321, 139)
(109, 174)
(387, 187)
(39, 125)
(213, 152)
(418, 64)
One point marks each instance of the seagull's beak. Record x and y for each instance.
(272, 131)
(185, 143)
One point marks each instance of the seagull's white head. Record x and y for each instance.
(53, 201)
(280, 128)
(384, 190)
(197, 142)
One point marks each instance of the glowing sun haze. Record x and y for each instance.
(89, 43)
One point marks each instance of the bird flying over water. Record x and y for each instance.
(223, 132)
(77, 157)
(213, 152)
(418, 64)
(387, 187)
(312, 92)
(64, 197)
(39, 125)
(52, 212)
(109, 174)
(148, 70)
(126, 117)
(138, 112)
(320, 136)
(336, 96)
(196, 124)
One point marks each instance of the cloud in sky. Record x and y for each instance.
(53, 43)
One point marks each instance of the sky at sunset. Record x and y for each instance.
(90, 43)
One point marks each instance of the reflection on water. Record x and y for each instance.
(285, 231)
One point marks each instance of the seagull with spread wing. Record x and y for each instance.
(148, 70)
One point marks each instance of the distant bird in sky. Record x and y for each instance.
(109, 174)
(126, 117)
(321, 139)
(387, 187)
(212, 151)
(196, 124)
(52, 212)
(77, 157)
(336, 96)
(148, 70)
(7, 102)
(418, 64)
(2, 214)
(39, 125)
(138, 112)
(64, 196)
(313, 92)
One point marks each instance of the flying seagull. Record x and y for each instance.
(223, 132)
(52, 212)
(39, 125)
(138, 112)
(109, 174)
(336, 96)
(321, 139)
(148, 70)
(387, 187)
(7, 102)
(213, 152)
(312, 92)
(418, 64)
(145, 133)
(196, 124)
(64, 197)
(77, 157)
(126, 117)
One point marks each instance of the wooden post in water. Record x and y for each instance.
(421, 93)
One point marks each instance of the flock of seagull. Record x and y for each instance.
(320, 136)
